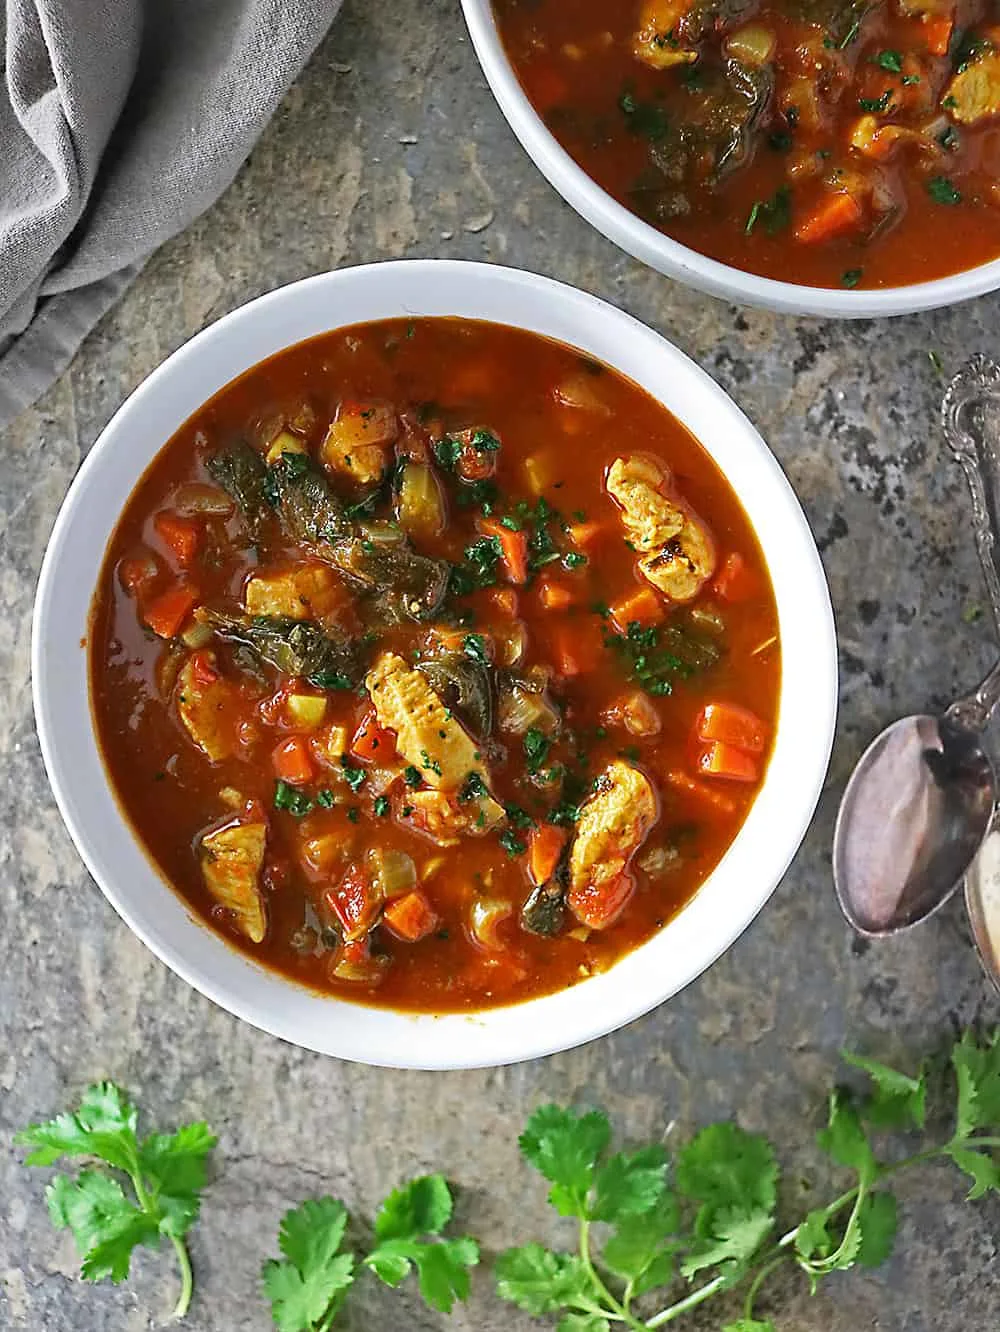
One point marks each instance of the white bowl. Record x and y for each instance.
(732, 895)
(668, 256)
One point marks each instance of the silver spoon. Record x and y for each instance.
(920, 800)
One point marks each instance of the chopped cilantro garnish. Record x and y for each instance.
(353, 814)
(574, 560)
(644, 119)
(381, 806)
(429, 764)
(875, 105)
(484, 442)
(325, 798)
(473, 788)
(511, 843)
(942, 191)
(288, 798)
(474, 646)
(446, 451)
(354, 774)
(412, 777)
(330, 680)
(774, 213)
(654, 657)
(890, 60)
(536, 748)
(851, 277)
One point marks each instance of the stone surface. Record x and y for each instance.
(391, 145)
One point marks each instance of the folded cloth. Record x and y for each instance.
(121, 121)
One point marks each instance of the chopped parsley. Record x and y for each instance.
(519, 817)
(851, 277)
(536, 748)
(511, 843)
(474, 646)
(942, 191)
(354, 774)
(429, 764)
(574, 560)
(446, 451)
(890, 60)
(381, 806)
(473, 788)
(412, 777)
(330, 680)
(774, 213)
(654, 657)
(353, 814)
(295, 802)
(325, 798)
(644, 119)
(484, 442)
(482, 557)
(875, 105)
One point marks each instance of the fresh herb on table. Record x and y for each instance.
(165, 1173)
(307, 1289)
(708, 1218)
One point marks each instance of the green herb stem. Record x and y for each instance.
(613, 1309)
(187, 1280)
(687, 1303)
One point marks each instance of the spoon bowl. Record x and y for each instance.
(912, 819)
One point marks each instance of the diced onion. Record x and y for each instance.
(306, 710)
(485, 917)
(285, 442)
(232, 798)
(394, 870)
(196, 635)
(707, 618)
(382, 534)
(520, 710)
(580, 390)
(420, 505)
(753, 45)
(197, 497)
(368, 971)
(511, 642)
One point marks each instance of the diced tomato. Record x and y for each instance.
(355, 902)
(554, 595)
(687, 786)
(600, 905)
(937, 33)
(293, 761)
(181, 536)
(203, 667)
(834, 215)
(373, 742)
(166, 613)
(643, 607)
(513, 548)
(545, 846)
(411, 916)
(735, 581)
(732, 725)
(728, 763)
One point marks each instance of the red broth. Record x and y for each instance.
(432, 544)
(829, 144)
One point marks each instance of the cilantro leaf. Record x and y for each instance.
(812, 1237)
(734, 1234)
(724, 1166)
(984, 1170)
(844, 1137)
(750, 1325)
(898, 1100)
(565, 1148)
(977, 1069)
(166, 1173)
(310, 1285)
(877, 1219)
(583, 1322)
(422, 1207)
(104, 1224)
(629, 1185)
(540, 1281)
(640, 1250)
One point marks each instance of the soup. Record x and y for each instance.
(434, 664)
(822, 142)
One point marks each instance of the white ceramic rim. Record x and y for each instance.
(733, 894)
(668, 256)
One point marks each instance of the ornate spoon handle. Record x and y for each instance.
(970, 414)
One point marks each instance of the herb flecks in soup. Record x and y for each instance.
(434, 664)
(824, 142)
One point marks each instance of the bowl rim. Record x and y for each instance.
(644, 978)
(659, 251)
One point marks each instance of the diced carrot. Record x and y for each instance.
(687, 786)
(599, 905)
(372, 741)
(355, 902)
(732, 725)
(180, 535)
(643, 607)
(555, 596)
(587, 535)
(735, 581)
(572, 651)
(293, 762)
(937, 33)
(166, 613)
(545, 846)
(505, 601)
(513, 548)
(727, 762)
(411, 916)
(203, 667)
(834, 215)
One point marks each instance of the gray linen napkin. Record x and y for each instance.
(120, 122)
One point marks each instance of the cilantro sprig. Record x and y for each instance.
(706, 1222)
(308, 1287)
(137, 1190)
